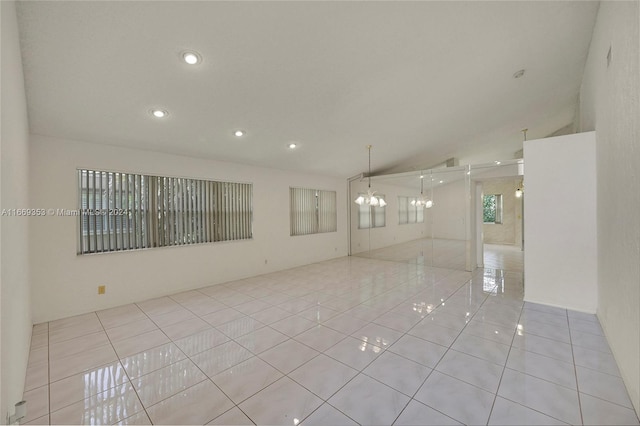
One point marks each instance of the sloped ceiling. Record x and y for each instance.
(420, 81)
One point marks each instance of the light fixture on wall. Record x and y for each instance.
(370, 199)
(520, 190)
(422, 201)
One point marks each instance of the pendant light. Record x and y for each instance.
(370, 199)
(422, 201)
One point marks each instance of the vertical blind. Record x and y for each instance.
(403, 210)
(125, 211)
(312, 211)
(408, 213)
(371, 217)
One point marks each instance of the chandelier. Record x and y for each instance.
(422, 201)
(370, 199)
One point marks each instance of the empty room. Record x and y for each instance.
(320, 213)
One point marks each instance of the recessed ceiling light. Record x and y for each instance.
(518, 74)
(159, 113)
(292, 145)
(191, 58)
(239, 133)
(421, 176)
(441, 181)
(497, 163)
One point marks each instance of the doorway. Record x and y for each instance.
(501, 222)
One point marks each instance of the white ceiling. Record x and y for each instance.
(420, 81)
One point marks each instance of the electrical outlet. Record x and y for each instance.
(102, 289)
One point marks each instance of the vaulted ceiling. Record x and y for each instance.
(420, 81)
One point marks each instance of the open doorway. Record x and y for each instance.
(502, 224)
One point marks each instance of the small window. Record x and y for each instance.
(408, 212)
(371, 217)
(312, 211)
(492, 208)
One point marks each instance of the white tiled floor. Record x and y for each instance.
(505, 257)
(347, 341)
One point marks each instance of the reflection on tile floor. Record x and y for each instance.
(449, 254)
(506, 257)
(347, 341)
(438, 252)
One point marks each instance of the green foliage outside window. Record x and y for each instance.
(492, 208)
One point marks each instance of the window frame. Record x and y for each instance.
(413, 214)
(318, 213)
(158, 211)
(374, 213)
(497, 210)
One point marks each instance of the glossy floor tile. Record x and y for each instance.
(349, 341)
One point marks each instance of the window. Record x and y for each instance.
(371, 217)
(492, 208)
(124, 211)
(408, 212)
(313, 211)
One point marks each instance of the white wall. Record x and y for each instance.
(560, 265)
(66, 284)
(450, 210)
(609, 104)
(15, 319)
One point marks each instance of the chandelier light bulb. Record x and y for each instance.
(370, 200)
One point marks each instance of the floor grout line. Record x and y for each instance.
(387, 286)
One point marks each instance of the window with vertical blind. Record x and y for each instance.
(408, 212)
(126, 211)
(371, 217)
(312, 211)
